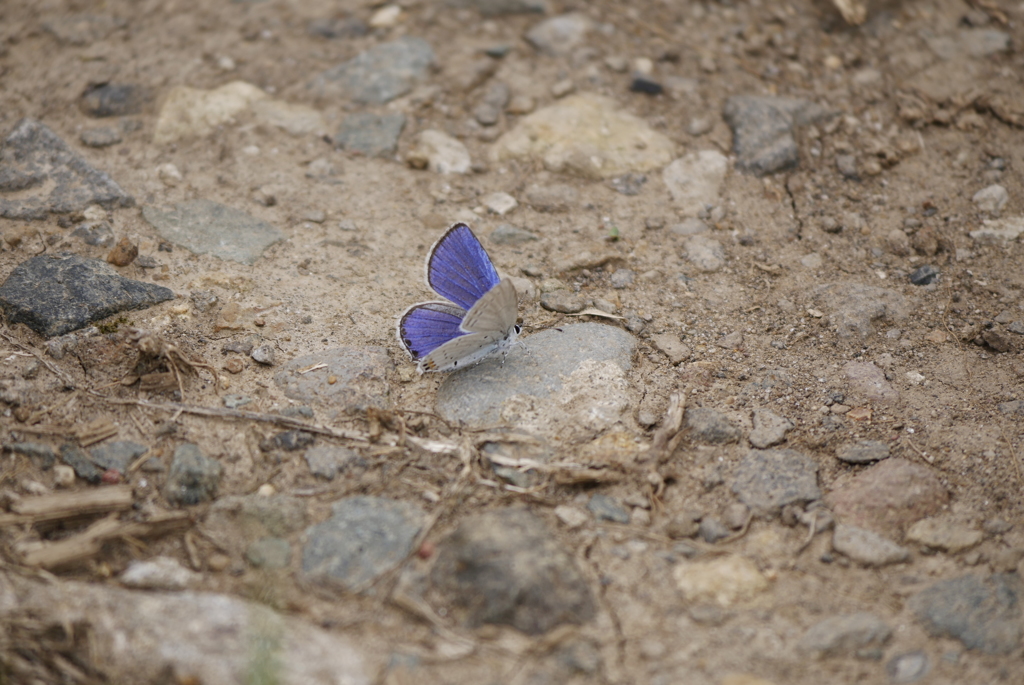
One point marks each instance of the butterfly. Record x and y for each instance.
(478, 320)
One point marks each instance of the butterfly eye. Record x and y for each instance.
(518, 329)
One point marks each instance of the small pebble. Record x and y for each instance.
(563, 88)
(263, 354)
(124, 253)
(103, 136)
(924, 275)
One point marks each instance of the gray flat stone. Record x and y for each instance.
(605, 508)
(768, 480)
(862, 452)
(983, 612)
(40, 174)
(380, 74)
(507, 234)
(270, 553)
(708, 425)
(365, 537)
(505, 567)
(57, 294)
(845, 634)
(117, 455)
(481, 394)
(41, 455)
(193, 477)
(763, 130)
(360, 379)
(853, 307)
(372, 135)
(207, 227)
(867, 547)
(326, 461)
(235, 522)
(769, 428)
(79, 460)
(95, 233)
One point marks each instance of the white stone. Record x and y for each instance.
(991, 199)
(696, 179)
(193, 113)
(572, 517)
(586, 135)
(386, 17)
(441, 153)
(298, 120)
(996, 230)
(169, 175)
(499, 203)
(158, 573)
(725, 580)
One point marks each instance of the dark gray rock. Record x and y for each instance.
(924, 275)
(364, 538)
(371, 135)
(56, 294)
(326, 461)
(605, 508)
(101, 136)
(42, 455)
(270, 553)
(117, 455)
(40, 174)
(763, 128)
(507, 234)
(95, 233)
(207, 227)
(493, 8)
(193, 477)
(359, 373)
(862, 452)
(380, 74)
(505, 567)
(908, 668)
(113, 100)
(708, 425)
(475, 395)
(983, 612)
(76, 458)
(845, 634)
(768, 480)
(563, 301)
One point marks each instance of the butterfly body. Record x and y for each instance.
(478, 321)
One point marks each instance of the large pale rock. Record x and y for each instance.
(585, 135)
(695, 179)
(193, 113)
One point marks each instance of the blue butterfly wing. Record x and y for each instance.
(458, 267)
(424, 327)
